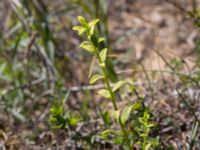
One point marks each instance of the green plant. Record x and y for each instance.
(143, 126)
(127, 137)
(98, 9)
(59, 119)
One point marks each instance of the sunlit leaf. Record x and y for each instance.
(79, 29)
(93, 23)
(126, 113)
(119, 84)
(103, 64)
(73, 120)
(148, 146)
(105, 93)
(103, 54)
(82, 21)
(95, 77)
(88, 46)
(101, 40)
(92, 30)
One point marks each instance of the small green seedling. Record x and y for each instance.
(59, 119)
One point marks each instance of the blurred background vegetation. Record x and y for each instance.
(44, 74)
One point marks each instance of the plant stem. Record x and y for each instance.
(144, 143)
(113, 99)
(107, 81)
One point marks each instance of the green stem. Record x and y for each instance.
(110, 90)
(113, 98)
(107, 81)
(144, 143)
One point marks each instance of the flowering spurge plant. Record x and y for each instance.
(134, 120)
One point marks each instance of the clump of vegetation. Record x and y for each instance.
(140, 124)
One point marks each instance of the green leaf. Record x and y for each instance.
(19, 115)
(116, 114)
(79, 29)
(105, 133)
(103, 64)
(150, 125)
(93, 23)
(95, 77)
(88, 46)
(105, 93)
(73, 120)
(148, 146)
(119, 84)
(137, 106)
(82, 21)
(131, 87)
(170, 148)
(118, 140)
(103, 54)
(101, 40)
(94, 40)
(126, 113)
(91, 30)
(106, 117)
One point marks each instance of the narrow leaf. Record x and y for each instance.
(103, 54)
(95, 77)
(93, 22)
(104, 93)
(119, 84)
(105, 133)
